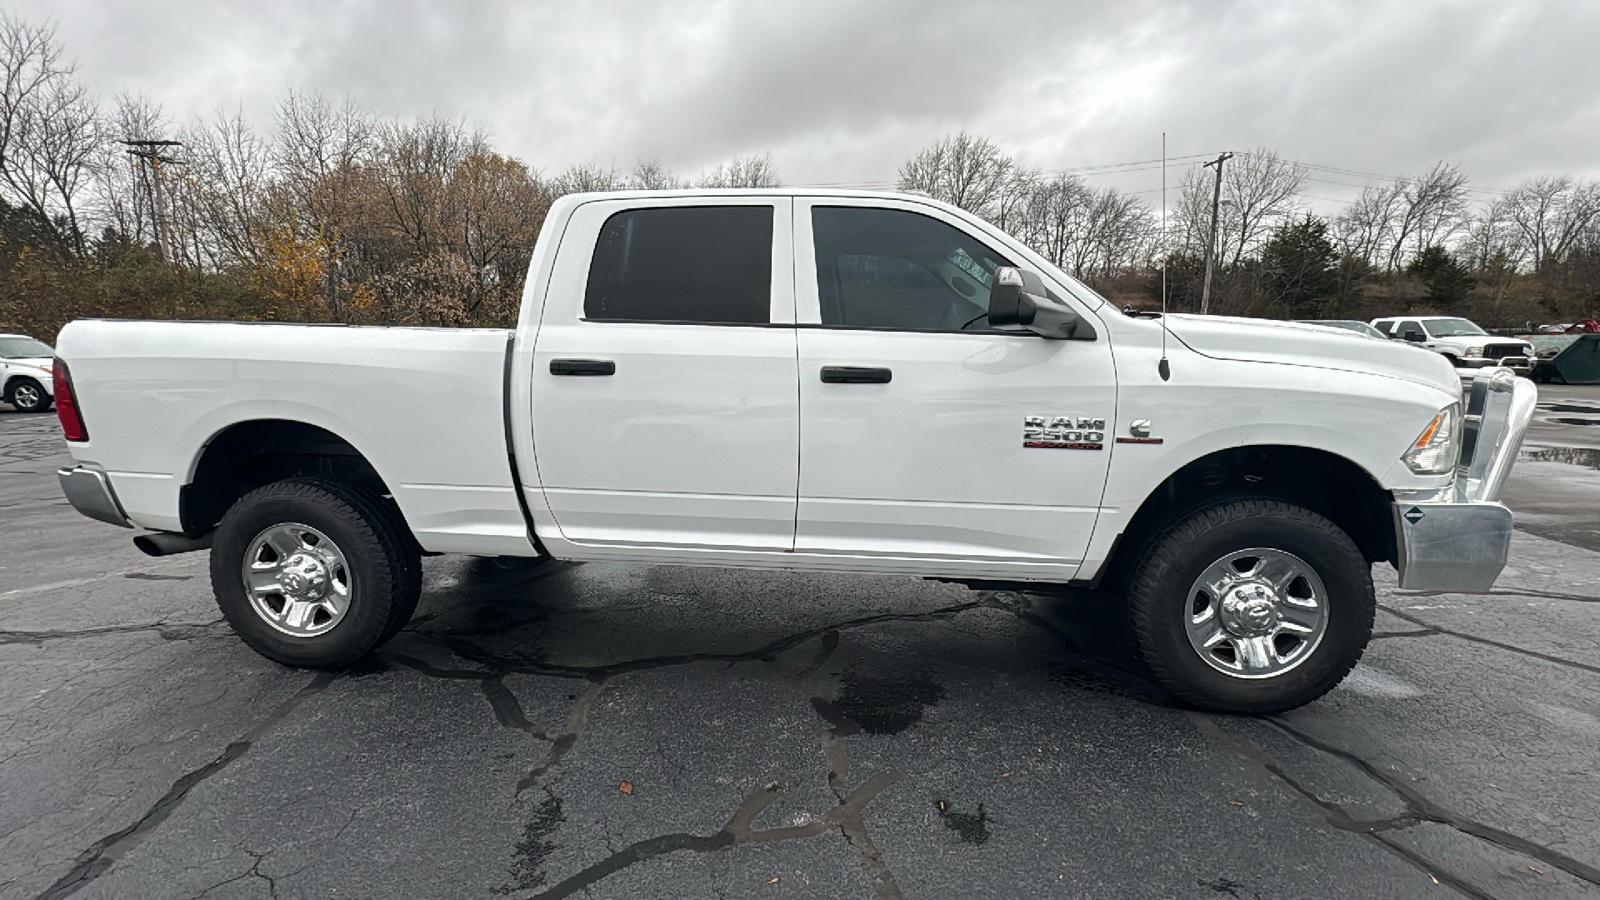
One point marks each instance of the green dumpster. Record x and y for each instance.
(1566, 358)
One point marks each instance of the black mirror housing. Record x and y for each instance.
(1019, 297)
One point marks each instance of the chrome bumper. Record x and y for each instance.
(89, 492)
(1459, 539)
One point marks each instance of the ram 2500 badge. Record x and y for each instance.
(805, 380)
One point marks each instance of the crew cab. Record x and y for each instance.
(1460, 341)
(813, 381)
(25, 379)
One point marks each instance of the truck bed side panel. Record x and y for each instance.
(422, 405)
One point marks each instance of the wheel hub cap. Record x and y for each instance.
(1250, 611)
(1256, 613)
(304, 578)
(297, 580)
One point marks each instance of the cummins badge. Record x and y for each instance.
(1063, 432)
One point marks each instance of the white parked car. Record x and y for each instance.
(1466, 345)
(25, 372)
(814, 381)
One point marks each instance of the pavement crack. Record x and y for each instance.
(1421, 809)
(1558, 660)
(1420, 632)
(1510, 592)
(104, 853)
(577, 719)
(738, 830)
(176, 631)
(507, 710)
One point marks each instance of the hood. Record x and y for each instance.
(1315, 346)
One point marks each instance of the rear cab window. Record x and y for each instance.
(709, 265)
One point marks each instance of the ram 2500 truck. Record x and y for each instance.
(806, 380)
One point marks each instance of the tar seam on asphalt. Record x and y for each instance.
(104, 853)
(1419, 809)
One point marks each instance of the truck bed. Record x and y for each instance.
(423, 405)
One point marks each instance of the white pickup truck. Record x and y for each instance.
(807, 380)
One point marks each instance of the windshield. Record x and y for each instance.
(24, 348)
(1452, 328)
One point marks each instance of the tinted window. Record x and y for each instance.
(24, 348)
(886, 268)
(1384, 325)
(683, 264)
(1409, 327)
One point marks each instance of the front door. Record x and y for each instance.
(925, 435)
(664, 394)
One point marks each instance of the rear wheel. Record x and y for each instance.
(27, 395)
(1252, 606)
(314, 573)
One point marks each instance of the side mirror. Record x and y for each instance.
(1416, 337)
(1019, 297)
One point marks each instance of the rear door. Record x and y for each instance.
(925, 435)
(664, 393)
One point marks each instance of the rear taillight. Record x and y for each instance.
(67, 405)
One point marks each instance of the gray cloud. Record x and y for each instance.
(841, 92)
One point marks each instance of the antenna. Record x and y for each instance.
(1163, 367)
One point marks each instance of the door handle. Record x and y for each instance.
(856, 375)
(582, 367)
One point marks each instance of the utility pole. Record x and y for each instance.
(151, 152)
(1211, 243)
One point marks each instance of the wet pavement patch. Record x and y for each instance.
(882, 705)
(972, 828)
(1577, 456)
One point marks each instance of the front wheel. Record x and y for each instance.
(1252, 606)
(27, 395)
(314, 573)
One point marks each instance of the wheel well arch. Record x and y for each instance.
(1323, 482)
(248, 454)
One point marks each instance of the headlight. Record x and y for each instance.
(1475, 351)
(1437, 448)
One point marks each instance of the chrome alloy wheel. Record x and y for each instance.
(1257, 613)
(297, 580)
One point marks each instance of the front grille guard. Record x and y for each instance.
(1499, 407)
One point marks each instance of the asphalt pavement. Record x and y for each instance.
(636, 731)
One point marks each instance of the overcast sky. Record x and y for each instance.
(841, 91)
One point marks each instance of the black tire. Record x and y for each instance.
(1454, 361)
(27, 395)
(383, 561)
(1172, 561)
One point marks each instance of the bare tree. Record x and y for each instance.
(1258, 192)
(1432, 210)
(50, 132)
(742, 172)
(651, 175)
(225, 191)
(963, 170)
(126, 199)
(1552, 217)
(1366, 228)
(586, 177)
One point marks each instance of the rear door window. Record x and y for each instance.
(687, 264)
